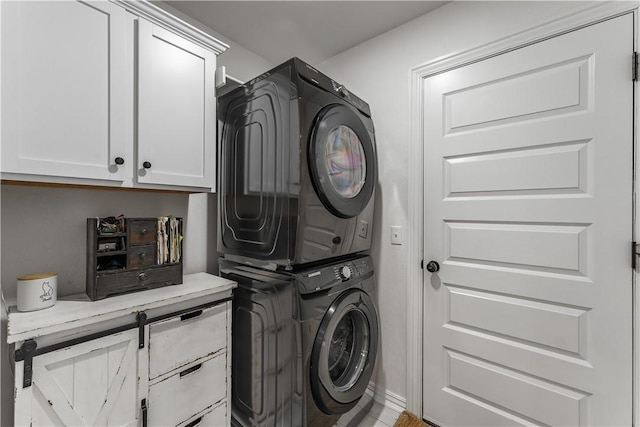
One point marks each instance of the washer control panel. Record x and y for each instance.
(320, 278)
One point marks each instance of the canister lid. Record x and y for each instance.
(37, 276)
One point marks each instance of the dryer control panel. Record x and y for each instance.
(310, 74)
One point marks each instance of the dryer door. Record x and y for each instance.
(344, 352)
(342, 160)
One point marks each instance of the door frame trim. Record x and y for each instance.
(585, 15)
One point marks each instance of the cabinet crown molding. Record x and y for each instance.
(166, 20)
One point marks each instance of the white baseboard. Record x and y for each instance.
(378, 404)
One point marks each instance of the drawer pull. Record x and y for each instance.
(194, 423)
(190, 315)
(190, 370)
(142, 276)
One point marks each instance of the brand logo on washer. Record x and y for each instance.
(314, 274)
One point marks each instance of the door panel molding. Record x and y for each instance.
(588, 15)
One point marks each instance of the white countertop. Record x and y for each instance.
(78, 311)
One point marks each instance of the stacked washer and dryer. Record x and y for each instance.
(297, 174)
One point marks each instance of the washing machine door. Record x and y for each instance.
(344, 352)
(342, 160)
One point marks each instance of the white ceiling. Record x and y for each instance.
(311, 30)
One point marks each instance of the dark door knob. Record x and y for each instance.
(146, 165)
(433, 267)
(119, 161)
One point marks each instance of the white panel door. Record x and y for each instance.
(89, 384)
(528, 211)
(66, 89)
(176, 110)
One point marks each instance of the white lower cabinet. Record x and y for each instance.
(91, 383)
(197, 383)
(120, 362)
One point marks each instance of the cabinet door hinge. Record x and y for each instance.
(634, 255)
(634, 67)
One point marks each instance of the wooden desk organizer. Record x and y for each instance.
(131, 254)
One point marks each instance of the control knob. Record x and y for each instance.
(345, 272)
(342, 91)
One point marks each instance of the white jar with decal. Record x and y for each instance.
(37, 291)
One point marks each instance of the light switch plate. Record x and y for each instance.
(396, 235)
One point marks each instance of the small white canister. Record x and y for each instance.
(37, 291)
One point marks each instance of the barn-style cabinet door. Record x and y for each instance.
(94, 383)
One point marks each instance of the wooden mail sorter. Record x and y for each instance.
(131, 254)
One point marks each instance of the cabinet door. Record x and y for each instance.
(176, 110)
(67, 89)
(93, 383)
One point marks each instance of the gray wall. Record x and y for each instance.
(241, 63)
(378, 70)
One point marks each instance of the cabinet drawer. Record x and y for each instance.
(108, 283)
(177, 398)
(215, 418)
(184, 339)
(141, 256)
(142, 231)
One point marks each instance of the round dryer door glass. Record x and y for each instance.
(342, 160)
(345, 161)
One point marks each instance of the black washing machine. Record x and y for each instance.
(304, 344)
(297, 169)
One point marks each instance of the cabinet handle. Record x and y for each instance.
(119, 161)
(146, 165)
(142, 255)
(194, 423)
(190, 370)
(190, 315)
(142, 276)
(143, 231)
(143, 406)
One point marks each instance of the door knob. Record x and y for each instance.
(433, 267)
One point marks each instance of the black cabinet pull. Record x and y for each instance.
(194, 423)
(143, 406)
(190, 315)
(119, 161)
(146, 165)
(190, 370)
(142, 320)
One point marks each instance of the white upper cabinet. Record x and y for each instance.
(176, 110)
(66, 89)
(85, 101)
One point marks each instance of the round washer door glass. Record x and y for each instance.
(345, 161)
(348, 350)
(344, 352)
(342, 160)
